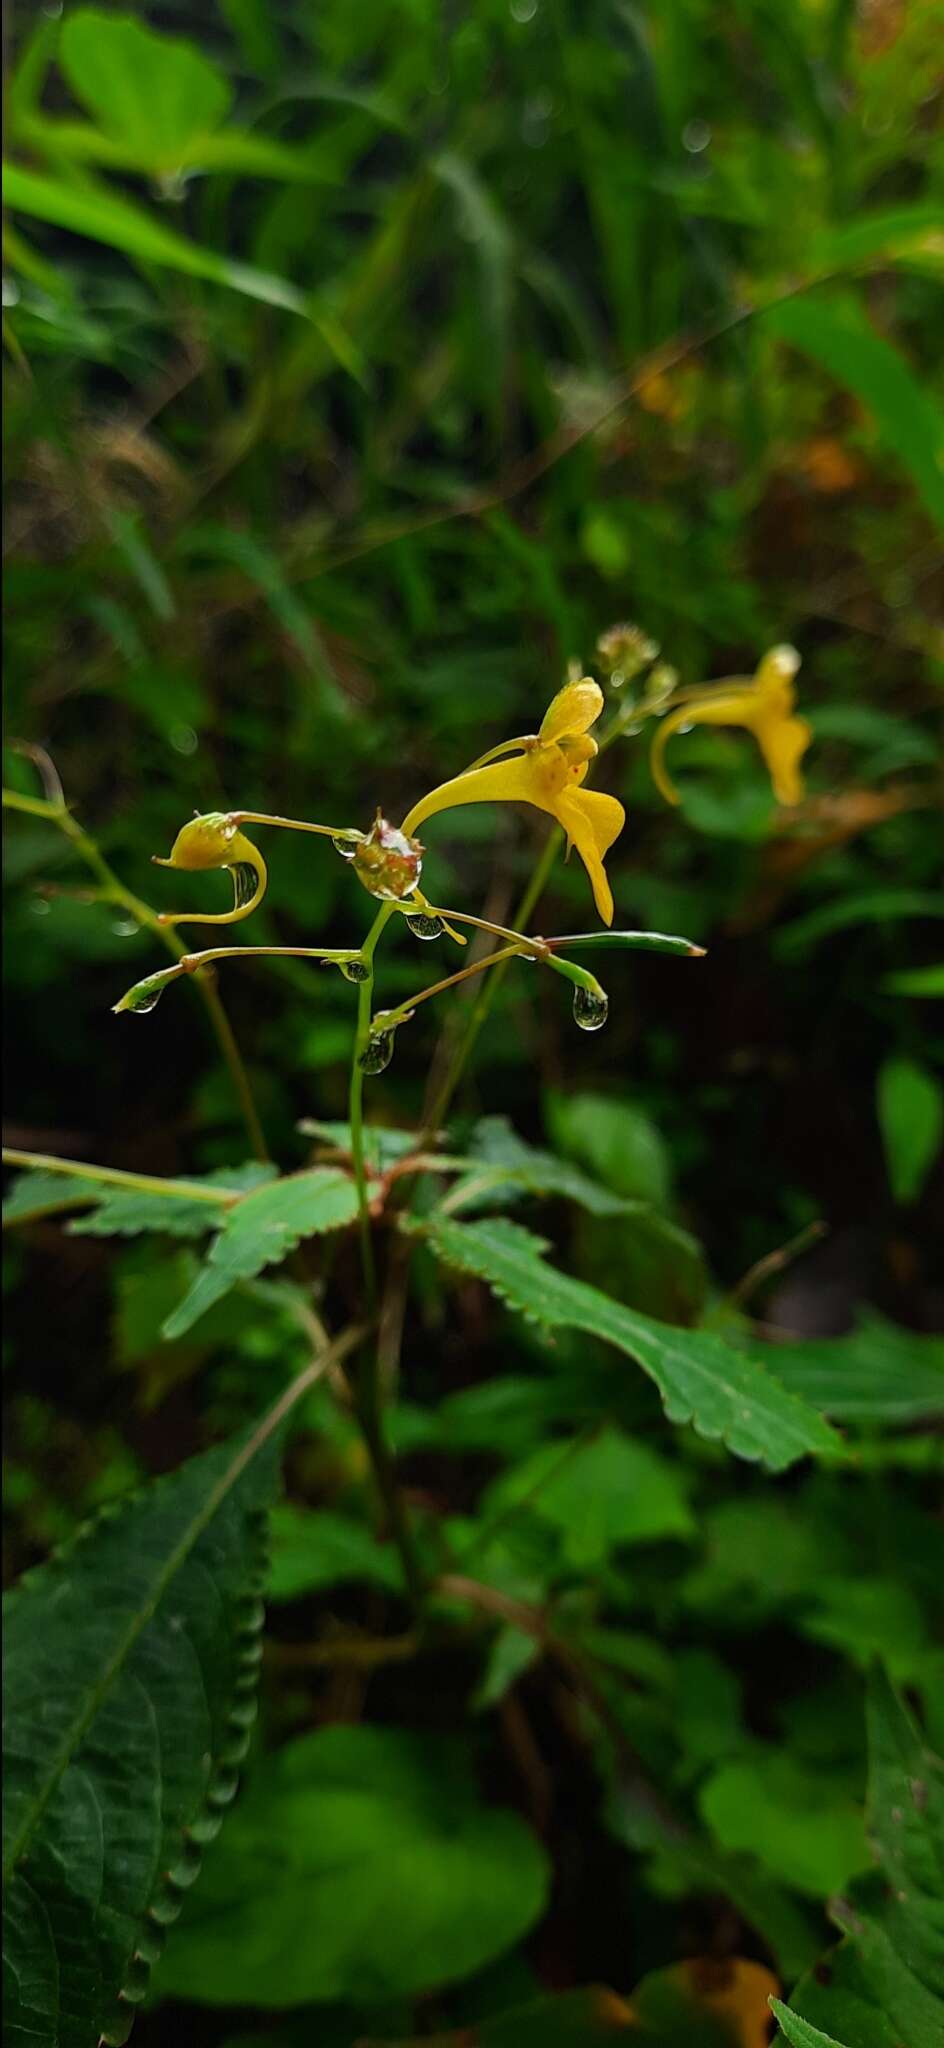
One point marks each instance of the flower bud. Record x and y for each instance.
(208, 842)
(387, 862)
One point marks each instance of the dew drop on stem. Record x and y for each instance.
(424, 926)
(377, 1053)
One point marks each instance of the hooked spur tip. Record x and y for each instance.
(159, 861)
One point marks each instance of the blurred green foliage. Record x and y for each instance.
(362, 367)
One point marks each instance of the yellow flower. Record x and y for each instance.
(763, 703)
(213, 841)
(547, 770)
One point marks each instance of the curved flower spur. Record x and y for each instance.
(547, 769)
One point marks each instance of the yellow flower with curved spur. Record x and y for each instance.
(548, 770)
(215, 841)
(764, 704)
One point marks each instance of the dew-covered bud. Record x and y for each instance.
(387, 862)
(212, 841)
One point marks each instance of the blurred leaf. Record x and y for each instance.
(705, 2003)
(871, 906)
(95, 211)
(125, 1212)
(502, 1159)
(881, 1986)
(877, 1374)
(510, 1655)
(916, 981)
(261, 1229)
(791, 1818)
(33, 1195)
(155, 92)
(910, 235)
(587, 2018)
(312, 1549)
(910, 1104)
(379, 1840)
(700, 1380)
(605, 1493)
(835, 331)
(615, 1141)
(129, 1676)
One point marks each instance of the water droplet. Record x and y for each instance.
(40, 907)
(354, 970)
(124, 927)
(591, 1008)
(696, 136)
(377, 1053)
(347, 848)
(523, 10)
(183, 739)
(11, 292)
(425, 927)
(145, 995)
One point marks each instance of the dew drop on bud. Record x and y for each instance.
(145, 996)
(377, 1053)
(347, 848)
(591, 1008)
(425, 927)
(354, 970)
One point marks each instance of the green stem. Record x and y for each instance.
(115, 892)
(118, 1177)
(366, 1384)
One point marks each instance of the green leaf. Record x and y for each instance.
(868, 906)
(879, 1373)
(360, 1864)
(96, 211)
(835, 331)
(616, 1141)
(261, 1229)
(606, 1493)
(916, 981)
(383, 1146)
(44, 1194)
(510, 1655)
(909, 235)
(312, 1550)
(128, 1694)
(701, 1381)
(126, 1212)
(910, 1104)
(799, 2032)
(906, 1824)
(154, 92)
(881, 1987)
(508, 1161)
(793, 1819)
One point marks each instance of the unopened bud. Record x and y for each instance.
(387, 862)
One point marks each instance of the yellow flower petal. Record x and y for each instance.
(783, 742)
(575, 708)
(592, 820)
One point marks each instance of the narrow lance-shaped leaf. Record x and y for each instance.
(723, 1393)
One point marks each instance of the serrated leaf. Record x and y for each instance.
(722, 1393)
(360, 1864)
(261, 1229)
(127, 1212)
(799, 2031)
(502, 1159)
(881, 1986)
(33, 1195)
(906, 1823)
(878, 1373)
(128, 1681)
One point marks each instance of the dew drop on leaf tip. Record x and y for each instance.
(591, 1008)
